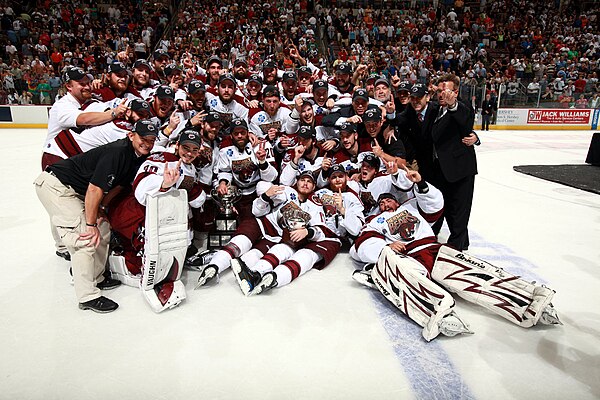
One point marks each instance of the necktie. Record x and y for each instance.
(420, 117)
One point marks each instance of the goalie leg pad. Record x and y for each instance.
(480, 282)
(118, 270)
(403, 281)
(164, 250)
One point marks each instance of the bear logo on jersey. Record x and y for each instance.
(404, 224)
(367, 200)
(244, 169)
(205, 155)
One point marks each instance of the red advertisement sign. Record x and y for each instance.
(560, 117)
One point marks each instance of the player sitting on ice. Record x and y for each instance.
(296, 218)
(342, 208)
(160, 173)
(407, 264)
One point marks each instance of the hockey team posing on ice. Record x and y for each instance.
(320, 165)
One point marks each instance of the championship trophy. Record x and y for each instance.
(292, 219)
(226, 222)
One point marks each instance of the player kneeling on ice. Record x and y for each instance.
(152, 223)
(406, 263)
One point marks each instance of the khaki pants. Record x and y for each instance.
(66, 210)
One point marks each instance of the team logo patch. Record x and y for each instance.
(292, 208)
(213, 103)
(404, 224)
(367, 200)
(275, 125)
(262, 117)
(244, 169)
(205, 156)
(229, 152)
(328, 202)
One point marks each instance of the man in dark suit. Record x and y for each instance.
(487, 110)
(439, 136)
(454, 160)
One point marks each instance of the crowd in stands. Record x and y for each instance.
(528, 52)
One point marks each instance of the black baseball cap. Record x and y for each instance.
(372, 160)
(289, 75)
(75, 74)
(145, 127)
(372, 114)
(116, 67)
(386, 196)
(372, 77)
(337, 168)
(171, 68)
(270, 91)
(189, 136)
(240, 61)
(404, 86)
(238, 123)
(418, 90)
(142, 63)
(348, 127)
(383, 80)
(196, 86)
(160, 53)
(360, 93)
(269, 64)
(255, 78)
(307, 132)
(165, 92)
(304, 70)
(214, 59)
(307, 173)
(320, 84)
(213, 116)
(227, 77)
(344, 68)
(139, 105)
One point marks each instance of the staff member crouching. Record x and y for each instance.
(75, 191)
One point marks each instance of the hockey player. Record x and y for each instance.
(114, 84)
(306, 156)
(297, 217)
(243, 165)
(341, 205)
(270, 121)
(159, 173)
(405, 257)
(226, 102)
(372, 183)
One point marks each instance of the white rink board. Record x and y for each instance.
(323, 336)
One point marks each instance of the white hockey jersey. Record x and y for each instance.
(349, 224)
(230, 111)
(241, 167)
(261, 121)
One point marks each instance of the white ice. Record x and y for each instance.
(323, 336)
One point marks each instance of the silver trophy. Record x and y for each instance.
(226, 221)
(292, 219)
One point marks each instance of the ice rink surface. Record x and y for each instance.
(323, 336)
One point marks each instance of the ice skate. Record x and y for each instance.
(198, 260)
(549, 316)
(207, 274)
(364, 278)
(452, 325)
(268, 281)
(249, 281)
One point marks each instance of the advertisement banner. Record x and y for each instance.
(559, 117)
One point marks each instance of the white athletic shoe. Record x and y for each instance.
(452, 325)
(364, 278)
(207, 274)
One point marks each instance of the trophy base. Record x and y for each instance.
(222, 232)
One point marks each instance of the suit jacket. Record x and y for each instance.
(457, 160)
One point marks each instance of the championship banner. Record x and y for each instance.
(562, 117)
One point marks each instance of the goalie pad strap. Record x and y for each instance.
(482, 283)
(402, 280)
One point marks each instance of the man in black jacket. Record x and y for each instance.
(487, 110)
